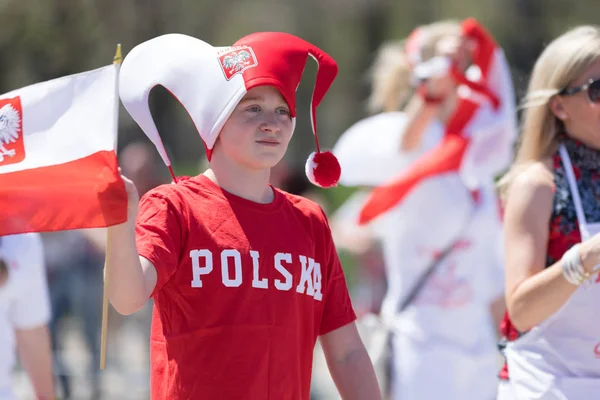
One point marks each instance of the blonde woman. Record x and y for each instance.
(552, 218)
(446, 87)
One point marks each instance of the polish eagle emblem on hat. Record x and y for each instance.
(236, 60)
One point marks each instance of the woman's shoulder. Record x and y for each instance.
(535, 175)
(532, 189)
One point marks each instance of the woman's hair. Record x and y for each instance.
(391, 72)
(564, 60)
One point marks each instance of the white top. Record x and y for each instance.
(458, 294)
(560, 358)
(24, 300)
(433, 215)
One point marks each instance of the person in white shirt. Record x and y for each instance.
(442, 238)
(24, 315)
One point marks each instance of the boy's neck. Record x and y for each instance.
(247, 184)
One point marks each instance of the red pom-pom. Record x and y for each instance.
(323, 169)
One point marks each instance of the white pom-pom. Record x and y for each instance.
(310, 168)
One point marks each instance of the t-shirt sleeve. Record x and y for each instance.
(158, 236)
(337, 308)
(32, 305)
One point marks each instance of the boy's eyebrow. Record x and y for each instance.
(258, 98)
(252, 98)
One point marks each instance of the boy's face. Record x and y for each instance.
(258, 132)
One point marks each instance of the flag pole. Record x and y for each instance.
(118, 58)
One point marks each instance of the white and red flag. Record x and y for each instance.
(58, 166)
(478, 139)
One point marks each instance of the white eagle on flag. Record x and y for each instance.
(10, 126)
(236, 61)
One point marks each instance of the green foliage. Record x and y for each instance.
(44, 39)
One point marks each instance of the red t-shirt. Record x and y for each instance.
(244, 290)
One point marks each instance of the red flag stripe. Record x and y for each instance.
(446, 157)
(486, 45)
(85, 193)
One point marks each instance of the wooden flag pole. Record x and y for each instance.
(117, 61)
(103, 334)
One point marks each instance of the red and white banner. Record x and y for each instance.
(478, 139)
(58, 166)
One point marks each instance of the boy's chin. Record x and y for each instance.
(266, 161)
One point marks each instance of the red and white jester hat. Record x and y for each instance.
(210, 81)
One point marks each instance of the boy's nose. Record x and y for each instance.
(270, 123)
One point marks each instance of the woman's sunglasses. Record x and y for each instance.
(592, 89)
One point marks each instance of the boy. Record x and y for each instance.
(244, 277)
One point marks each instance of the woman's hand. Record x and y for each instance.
(589, 252)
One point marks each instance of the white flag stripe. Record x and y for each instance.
(492, 132)
(67, 119)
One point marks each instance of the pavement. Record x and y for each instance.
(126, 376)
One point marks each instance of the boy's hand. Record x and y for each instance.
(132, 198)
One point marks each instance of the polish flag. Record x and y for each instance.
(58, 166)
(478, 139)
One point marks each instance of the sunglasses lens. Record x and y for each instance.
(594, 91)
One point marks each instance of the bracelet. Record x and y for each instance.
(427, 98)
(572, 268)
